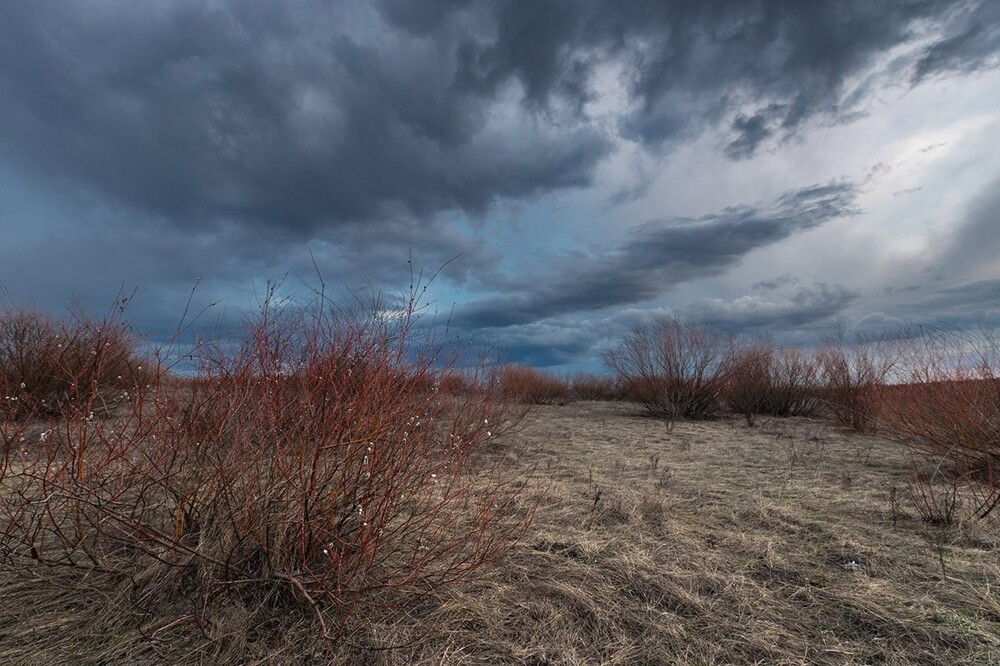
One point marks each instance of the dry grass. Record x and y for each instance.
(698, 543)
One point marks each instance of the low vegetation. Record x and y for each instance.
(305, 465)
(767, 380)
(946, 410)
(316, 489)
(852, 372)
(674, 369)
(529, 385)
(49, 365)
(588, 386)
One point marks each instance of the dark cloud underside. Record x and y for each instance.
(306, 115)
(272, 117)
(237, 137)
(659, 256)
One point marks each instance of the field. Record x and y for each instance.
(697, 542)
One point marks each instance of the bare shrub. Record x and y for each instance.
(530, 385)
(852, 373)
(748, 384)
(674, 369)
(795, 384)
(305, 465)
(935, 494)
(588, 386)
(46, 365)
(774, 381)
(451, 381)
(948, 408)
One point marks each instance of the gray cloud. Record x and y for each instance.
(775, 310)
(313, 114)
(959, 284)
(974, 45)
(232, 138)
(781, 308)
(975, 242)
(550, 343)
(658, 256)
(965, 305)
(266, 113)
(967, 298)
(750, 132)
(792, 62)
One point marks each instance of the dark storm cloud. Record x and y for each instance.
(783, 310)
(553, 343)
(750, 132)
(311, 115)
(296, 115)
(235, 137)
(73, 253)
(970, 297)
(969, 305)
(788, 62)
(974, 46)
(658, 256)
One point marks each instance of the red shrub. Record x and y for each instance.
(311, 463)
(948, 411)
(775, 381)
(532, 386)
(47, 365)
(674, 369)
(853, 373)
(586, 386)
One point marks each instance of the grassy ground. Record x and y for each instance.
(697, 543)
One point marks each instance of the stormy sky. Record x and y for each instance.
(577, 166)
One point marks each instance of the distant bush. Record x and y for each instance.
(305, 463)
(587, 386)
(947, 411)
(773, 381)
(48, 365)
(852, 374)
(674, 369)
(533, 386)
(453, 382)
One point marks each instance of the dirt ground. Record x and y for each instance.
(791, 542)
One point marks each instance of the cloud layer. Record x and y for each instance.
(658, 256)
(158, 142)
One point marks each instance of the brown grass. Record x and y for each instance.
(700, 543)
